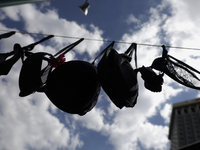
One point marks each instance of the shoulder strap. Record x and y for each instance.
(31, 46)
(28, 48)
(130, 50)
(69, 47)
(7, 35)
(109, 46)
(164, 53)
(4, 56)
(48, 68)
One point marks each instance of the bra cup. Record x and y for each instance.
(73, 87)
(152, 81)
(118, 79)
(30, 74)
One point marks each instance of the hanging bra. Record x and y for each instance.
(152, 81)
(6, 64)
(117, 77)
(176, 70)
(73, 87)
(32, 77)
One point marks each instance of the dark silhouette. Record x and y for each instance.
(7, 35)
(152, 81)
(73, 87)
(6, 65)
(176, 69)
(32, 77)
(30, 74)
(117, 77)
(29, 79)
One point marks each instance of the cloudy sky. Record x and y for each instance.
(34, 123)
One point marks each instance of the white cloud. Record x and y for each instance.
(75, 142)
(182, 30)
(153, 136)
(24, 124)
(49, 22)
(131, 125)
(40, 129)
(126, 126)
(27, 122)
(182, 27)
(93, 120)
(12, 13)
(132, 19)
(179, 30)
(166, 112)
(169, 91)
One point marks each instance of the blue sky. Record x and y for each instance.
(34, 123)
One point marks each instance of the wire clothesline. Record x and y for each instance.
(102, 40)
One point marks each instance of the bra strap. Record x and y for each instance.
(129, 52)
(69, 47)
(109, 46)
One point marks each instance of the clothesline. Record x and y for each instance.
(102, 40)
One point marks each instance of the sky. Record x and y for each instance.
(34, 123)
